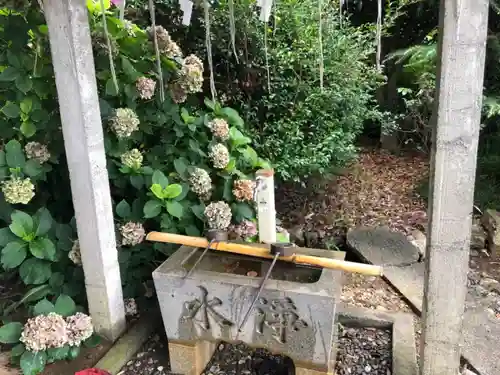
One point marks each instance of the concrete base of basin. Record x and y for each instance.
(190, 358)
(294, 315)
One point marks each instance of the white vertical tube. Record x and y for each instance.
(266, 211)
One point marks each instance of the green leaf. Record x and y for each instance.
(92, 341)
(22, 224)
(180, 166)
(110, 88)
(74, 352)
(11, 110)
(172, 191)
(129, 69)
(123, 209)
(9, 74)
(152, 209)
(43, 307)
(242, 211)
(192, 230)
(233, 117)
(175, 209)
(13, 254)
(17, 350)
(3, 161)
(26, 105)
(10, 333)
(28, 129)
(33, 363)
(35, 271)
(33, 168)
(157, 190)
(160, 179)
(34, 294)
(210, 104)
(65, 305)
(24, 84)
(14, 154)
(58, 354)
(6, 236)
(43, 248)
(237, 138)
(137, 181)
(199, 211)
(42, 222)
(56, 280)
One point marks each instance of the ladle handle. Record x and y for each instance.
(262, 251)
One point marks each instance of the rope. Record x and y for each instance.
(157, 49)
(232, 28)
(122, 9)
(267, 57)
(110, 49)
(321, 58)
(208, 44)
(379, 35)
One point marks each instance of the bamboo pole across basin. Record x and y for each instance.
(262, 251)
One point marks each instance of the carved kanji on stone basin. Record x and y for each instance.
(280, 315)
(200, 309)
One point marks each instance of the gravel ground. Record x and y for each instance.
(364, 351)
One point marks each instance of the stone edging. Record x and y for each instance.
(125, 348)
(404, 352)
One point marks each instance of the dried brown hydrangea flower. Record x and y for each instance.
(243, 190)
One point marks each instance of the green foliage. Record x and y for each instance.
(300, 128)
(152, 148)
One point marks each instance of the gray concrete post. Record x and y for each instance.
(462, 45)
(73, 62)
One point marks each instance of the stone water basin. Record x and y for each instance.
(294, 316)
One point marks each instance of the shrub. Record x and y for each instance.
(167, 160)
(300, 128)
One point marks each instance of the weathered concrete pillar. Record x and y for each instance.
(462, 44)
(83, 139)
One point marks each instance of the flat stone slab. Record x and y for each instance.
(481, 329)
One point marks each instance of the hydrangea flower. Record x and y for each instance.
(243, 190)
(124, 122)
(18, 191)
(145, 87)
(100, 44)
(178, 93)
(44, 331)
(245, 229)
(79, 328)
(201, 183)
(218, 215)
(191, 74)
(75, 254)
(132, 159)
(37, 151)
(219, 128)
(130, 307)
(166, 45)
(132, 233)
(219, 154)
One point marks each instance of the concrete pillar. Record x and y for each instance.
(462, 45)
(73, 62)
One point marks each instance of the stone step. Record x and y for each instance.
(481, 328)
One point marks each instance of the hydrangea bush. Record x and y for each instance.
(55, 332)
(176, 165)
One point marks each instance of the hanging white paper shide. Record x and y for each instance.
(187, 10)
